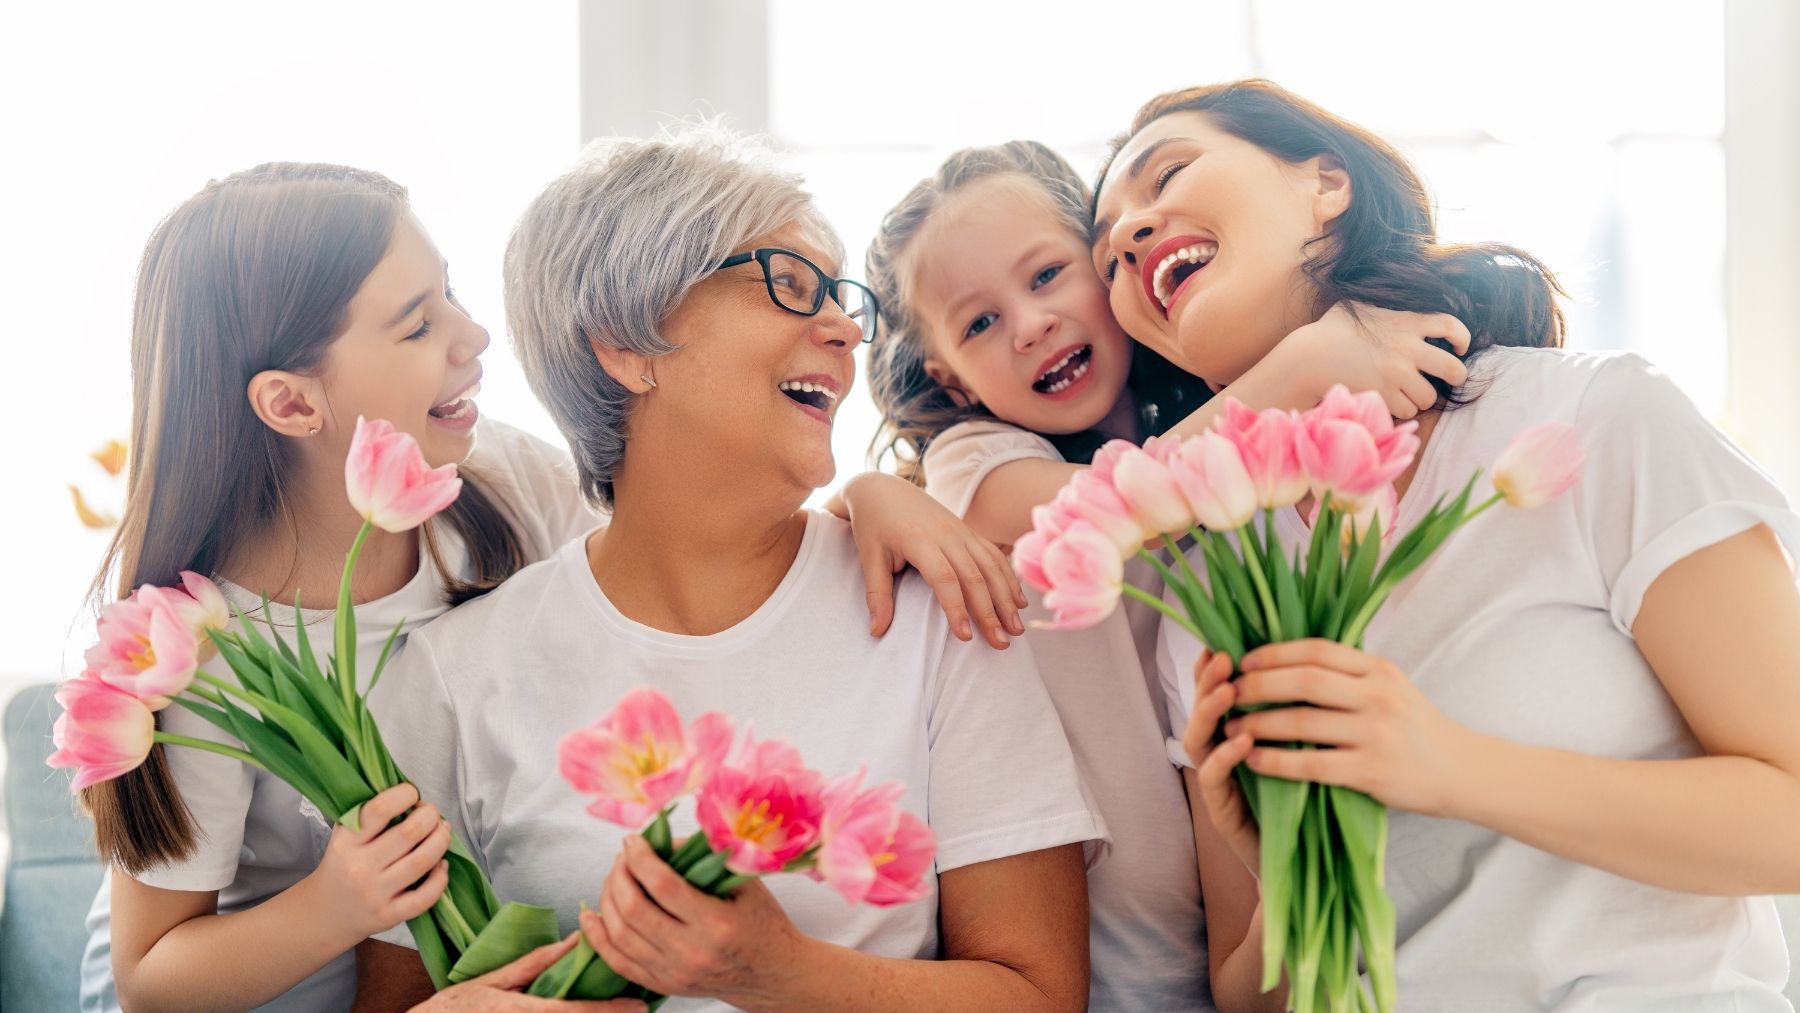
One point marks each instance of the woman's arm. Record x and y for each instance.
(166, 944)
(1234, 929)
(1371, 349)
(1721, 629)
(1014, 932)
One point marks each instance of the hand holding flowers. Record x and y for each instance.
(1341, 731)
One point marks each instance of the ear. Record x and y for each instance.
(290, 404)
(946, 378)
(1331, 188)
(630, 369)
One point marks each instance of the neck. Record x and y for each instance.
(1122, 422)
(301, 555)
(680, 556)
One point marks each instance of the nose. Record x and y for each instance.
(469, 345)
(1035, 326)
(833, 330)
(1134, 234)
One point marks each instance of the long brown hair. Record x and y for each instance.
(255, 272)
(915, 409)
(1383, 250)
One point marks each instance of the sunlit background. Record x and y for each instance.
(1618, 145)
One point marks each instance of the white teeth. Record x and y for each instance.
(808, 388)
(1061, 363)
(1198, 253)
(1063, 384)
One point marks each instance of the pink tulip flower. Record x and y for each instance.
(1539, 464)
(103, 732)
(1351, 448)
(388, 482)
(201, 606)
(1268, 442)
(1086, 574)
(638, 758)
(1107, 457)
(1028, 558)
(761, 810)
(1210, 472)
(1384, 505)
(146, 648)
(871, 851)
(1148, 487)
(1092, 499)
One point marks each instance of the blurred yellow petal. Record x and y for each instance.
(89, 517)
(111, 457)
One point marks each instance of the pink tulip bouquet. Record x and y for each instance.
(1323, 847)
(759, 809)
(300, 718)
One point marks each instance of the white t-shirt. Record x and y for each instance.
(257, 837)
(1147, 933)
(1520, 627)
(484, 694)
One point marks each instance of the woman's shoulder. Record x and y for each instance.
(1561, 384)
(508, 618)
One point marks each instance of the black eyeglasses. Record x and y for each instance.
(799, 286)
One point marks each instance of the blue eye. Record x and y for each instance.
(979, 324)
(1044, 277)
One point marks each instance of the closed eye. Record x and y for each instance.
(1169, 171)
(423, 329)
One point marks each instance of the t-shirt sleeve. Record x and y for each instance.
(963, 455)
(418, 723)
(1002, 777)
(1661, 482)
(538, 483)
(217, 790)
(1176, 653)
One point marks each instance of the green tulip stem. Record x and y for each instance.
(345, 632)
(237, 691)
(1159, 605)
(170, 738)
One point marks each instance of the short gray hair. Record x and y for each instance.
(610, 249)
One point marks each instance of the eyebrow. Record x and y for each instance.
(1133, 171)
(407, 310)
(417, 300)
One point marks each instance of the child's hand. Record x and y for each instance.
(1385, 351)
(369, 880)
(895, 523)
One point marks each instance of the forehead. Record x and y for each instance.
(810, 240)
(1129, 165)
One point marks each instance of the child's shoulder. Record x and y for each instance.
(964, 454)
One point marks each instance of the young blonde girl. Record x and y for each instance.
(272, 309)
(999, 373)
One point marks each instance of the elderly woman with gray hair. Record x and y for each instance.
(677, 308)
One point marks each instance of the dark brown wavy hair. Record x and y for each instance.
(255, 272)
(1383, 250)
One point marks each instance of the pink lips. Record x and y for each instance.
(1147, 270)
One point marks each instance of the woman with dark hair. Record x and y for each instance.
(1582, 715)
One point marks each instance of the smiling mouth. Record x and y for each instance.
(1177, 267)
(458, 406)
(1073, 367)
(812, 395)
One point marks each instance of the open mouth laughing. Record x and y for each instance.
(1068, 368)
(816, 395)
(1175, 262)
